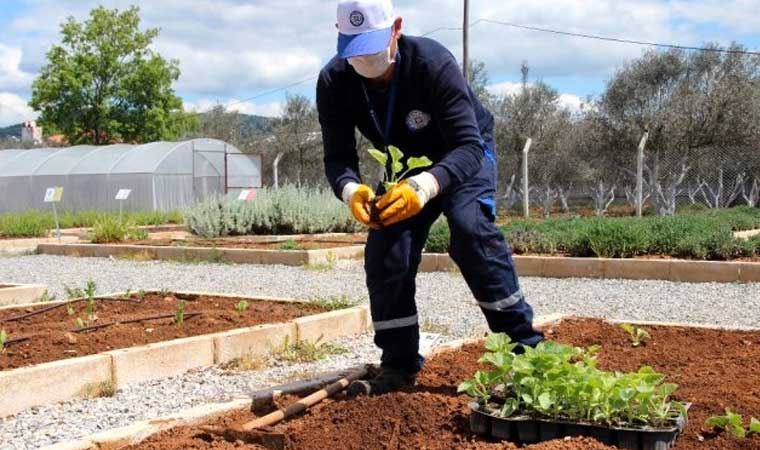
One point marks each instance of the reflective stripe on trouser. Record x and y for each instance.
(477, 246)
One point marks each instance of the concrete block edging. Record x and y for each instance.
(676, 270)
(162, 359)
(18, 294)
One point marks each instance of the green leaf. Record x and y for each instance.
(497, 342)
(397, 167)
(466, 386)
(545, 401)
(396, 154)
(509, 407)
(754, 426)
(418, 163)
(379, 156)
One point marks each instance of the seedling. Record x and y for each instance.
(730, 422)
(179, 313)
(638, 335)
(241, 306)
(80, 323)
(307, 351)
(127, 294)
(554, 381)
(70, 309)
(395, 172)
(334, 303)
(733, 423)
(3, 340)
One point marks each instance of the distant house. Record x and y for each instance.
(31, 133)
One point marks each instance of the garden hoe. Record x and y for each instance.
(255, 432)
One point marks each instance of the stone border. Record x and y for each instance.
(62, 380)
(632, 269)
(19, 294)
(205, 254)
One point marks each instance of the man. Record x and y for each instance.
(409, 92)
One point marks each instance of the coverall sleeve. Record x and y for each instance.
(340, 155)
(454, 113)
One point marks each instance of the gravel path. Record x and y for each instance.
(445, 307)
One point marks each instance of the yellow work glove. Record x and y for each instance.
(358, 198)
(407, 198)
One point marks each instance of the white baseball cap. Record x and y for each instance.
(364, 26)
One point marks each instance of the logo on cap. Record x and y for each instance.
(356, 18)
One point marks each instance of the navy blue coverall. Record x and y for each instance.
(434, 113)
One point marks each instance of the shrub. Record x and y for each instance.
(438, 238)
(26, 224)
(109, 229)
(287, 210)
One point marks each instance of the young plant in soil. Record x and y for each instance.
(734, 423)
(241, 306)
(3, 340)
(395, 172)
(561, 382)
(179, 313)
(289, 245)
(638, 335)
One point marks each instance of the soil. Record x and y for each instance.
(715, 369)
(259, 242)
(54, 335)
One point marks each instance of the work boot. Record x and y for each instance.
(387, 380)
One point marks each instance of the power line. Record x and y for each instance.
(619, 40)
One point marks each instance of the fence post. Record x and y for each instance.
(526, 184)
(274, 169)
(640, 175)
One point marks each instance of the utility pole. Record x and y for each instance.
(640, 174)
(526, 182)
(466, 41)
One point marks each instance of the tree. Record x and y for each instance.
(104, 84)
(222, 124)
(299, 141)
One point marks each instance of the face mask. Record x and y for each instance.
(372, 66)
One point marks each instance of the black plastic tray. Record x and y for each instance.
(527, 430)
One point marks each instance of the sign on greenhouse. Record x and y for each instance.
(123, 194)
(247, 195)
(53, 195)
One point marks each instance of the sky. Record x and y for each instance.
(232, 50)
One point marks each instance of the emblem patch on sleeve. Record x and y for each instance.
(417, 120)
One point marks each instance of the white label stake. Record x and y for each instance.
(122, 196)
(54, 195)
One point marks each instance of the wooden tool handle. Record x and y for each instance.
(303, 404)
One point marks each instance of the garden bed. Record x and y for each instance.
(288, 250)
(714, 369)
(55, 335)
(58, 350)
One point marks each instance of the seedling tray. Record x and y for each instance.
(528, 430)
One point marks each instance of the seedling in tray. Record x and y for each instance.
(638, 335)
(395, 172)
(561, 384)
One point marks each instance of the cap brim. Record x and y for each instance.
(362, 44)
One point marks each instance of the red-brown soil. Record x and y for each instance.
(53, 335)
(260, 242)
(715, 369)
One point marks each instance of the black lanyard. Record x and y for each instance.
(391, 104)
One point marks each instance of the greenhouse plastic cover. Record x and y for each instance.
(162, 175)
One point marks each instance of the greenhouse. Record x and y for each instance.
(160, 175)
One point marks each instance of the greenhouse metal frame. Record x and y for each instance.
(162, 176)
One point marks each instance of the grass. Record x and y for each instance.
(428, 326)
(289, 245)
(302, 351)
(109, 229)
(104, 389)
(34, 223)
(334, 303)
(247, 363)
(702, 235)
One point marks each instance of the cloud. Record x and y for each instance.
(11, 75)
(13, 109)
(271, 109)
